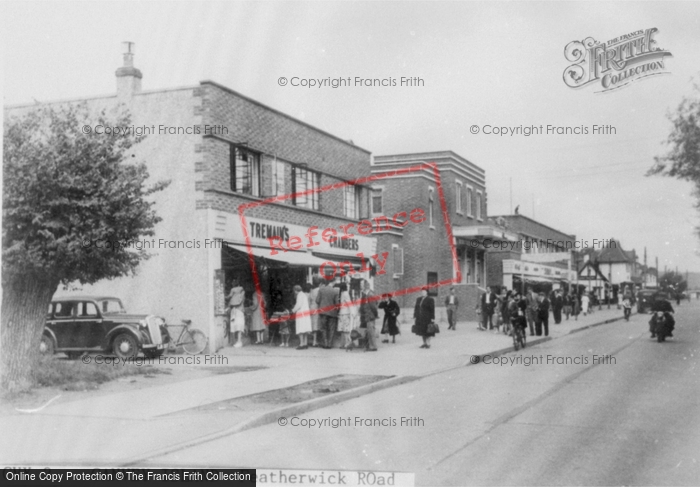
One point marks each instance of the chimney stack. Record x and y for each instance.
(128, 77)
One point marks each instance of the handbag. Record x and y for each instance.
(414, 329)
(433, 328)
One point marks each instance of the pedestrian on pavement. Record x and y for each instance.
(568, 307)
(491, 307)
(542, 316)
(313, 294)
(557, 306)
(451, 303)
(484, 311)
(532, 304)
(257, 327)
(585, 302)
(303, 322)
(236, 305)
(344, 319)
(505, 311)
(368, 316)
(327, 300)
(391, 311)
(424, 314)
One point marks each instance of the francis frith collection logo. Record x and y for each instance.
(616, 63)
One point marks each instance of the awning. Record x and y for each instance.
(290, 257)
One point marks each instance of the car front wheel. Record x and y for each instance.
(125, 346)
(46, 346)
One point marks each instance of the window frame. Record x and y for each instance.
(431, 207)
(347, 190)
(254, 165)
(459, 207)
(395, 249)
(311, 201)
(470, 197)
(376, 193)
(479, 205)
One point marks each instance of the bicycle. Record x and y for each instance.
(518, 337)
(192, 341)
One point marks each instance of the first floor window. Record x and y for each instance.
(458, 194)
(245, 171)
(280, 178)
(470, 197)
(478, 205)
(431, 204)
(377, 202)
(305, 182)
(350, 201)
(398, 260)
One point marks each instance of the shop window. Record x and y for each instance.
(351, 201)
(470, 197)
(245, 171)
(458, 197)
(304, 181)
(432, 279)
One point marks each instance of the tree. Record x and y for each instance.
(672, 283)
(64, 190)
(683, 158)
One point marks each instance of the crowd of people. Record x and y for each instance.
(328, 312)
(322, 313)
(496, 311)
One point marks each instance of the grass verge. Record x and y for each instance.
(74, 375)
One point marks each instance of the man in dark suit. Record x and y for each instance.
(451, 303)
(557, 306)
(424, 314)
(329, 298)
(368, 316)
(542, 319)
(492, 307)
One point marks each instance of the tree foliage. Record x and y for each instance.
(64, 190)
(683, 158)
(67, 191)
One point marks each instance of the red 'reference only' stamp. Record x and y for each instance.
(279, 245)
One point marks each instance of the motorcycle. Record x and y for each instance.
(661, 325)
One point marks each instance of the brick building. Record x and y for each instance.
(221, 149)
(421, 254)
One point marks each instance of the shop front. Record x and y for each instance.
(278, 271)
(519, 275)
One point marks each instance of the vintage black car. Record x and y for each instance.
(646, 299)
(79, 324)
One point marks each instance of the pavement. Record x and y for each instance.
(144, 424)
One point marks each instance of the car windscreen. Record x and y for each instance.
(111, 307)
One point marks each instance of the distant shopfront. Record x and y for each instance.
(518, 275)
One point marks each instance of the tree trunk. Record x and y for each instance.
(24, 304)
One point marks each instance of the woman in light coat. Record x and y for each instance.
(303, 323)
(236, 300)
(257, 327)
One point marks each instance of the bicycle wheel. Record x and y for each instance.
(516, 341)
(196, 342)
(522, 338)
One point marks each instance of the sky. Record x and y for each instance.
(482, 63)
